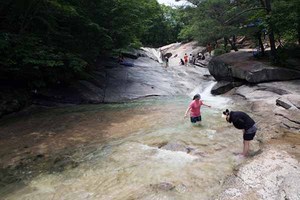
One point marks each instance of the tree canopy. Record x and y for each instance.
(215, 19)
(44, 42)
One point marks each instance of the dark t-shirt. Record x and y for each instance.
(241, 120)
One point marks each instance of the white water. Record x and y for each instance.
(215, 101)
(155, 54)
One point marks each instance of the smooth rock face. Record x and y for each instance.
(111, 82)
(273, 174)
(242, 65)
(294, 99)
(264, 97)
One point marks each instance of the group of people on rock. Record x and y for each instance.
(191, 58)
(240, 120)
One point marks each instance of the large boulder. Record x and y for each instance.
(224, 86)
(274, 174)
(243, 66)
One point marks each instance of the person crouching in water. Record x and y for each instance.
(241, 120)
(194, 109)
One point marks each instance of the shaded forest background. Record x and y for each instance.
(50, 42)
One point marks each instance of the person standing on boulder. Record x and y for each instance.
(209, 48)
(194, 109)
(167, 61)
(241, 120)
(186, 57)
(181, 62)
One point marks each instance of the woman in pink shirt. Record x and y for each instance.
(194, 109)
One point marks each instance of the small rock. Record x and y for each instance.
(163, 186)
(282, 103)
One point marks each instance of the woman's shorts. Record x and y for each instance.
(196, 119)
(250, 133)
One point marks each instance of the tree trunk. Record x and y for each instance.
(299, 32)
(262, 2)
(216, 44)
(225, 43)
(261, 45)
(271, 32)
(233, 45)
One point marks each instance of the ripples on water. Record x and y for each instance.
(131, 161)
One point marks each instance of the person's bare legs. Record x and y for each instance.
(246, 148)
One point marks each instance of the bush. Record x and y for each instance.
(219, 51)
(30, 61)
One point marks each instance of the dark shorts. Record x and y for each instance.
(196, 119)
(250, 133)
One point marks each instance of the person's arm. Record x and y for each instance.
(187, 111)
(206, 105)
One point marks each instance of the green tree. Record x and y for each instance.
(44, 42)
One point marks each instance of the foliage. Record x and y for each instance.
(216, 19)
(45, 42)
(285, 20)
(221, 50)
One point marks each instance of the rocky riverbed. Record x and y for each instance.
(45, 142)
(274, 173)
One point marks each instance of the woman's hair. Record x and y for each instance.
(197, 96)
(226, 112)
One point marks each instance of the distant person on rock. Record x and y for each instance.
(120, 58)
(201, 56)
(241, 120)
(167, 61)
(209, 48)
(194, 109)
(191, 59)
(256, 52)
(181, 62)
(186, 57)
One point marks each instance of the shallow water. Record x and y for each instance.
(129, 159)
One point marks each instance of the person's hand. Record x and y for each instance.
(185, 116)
